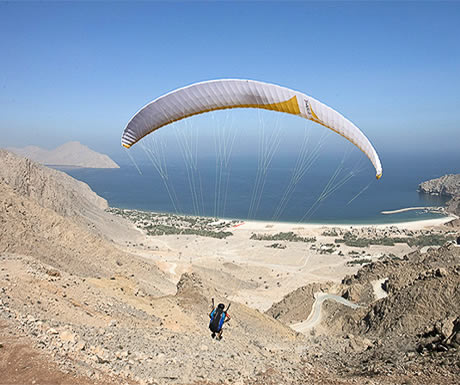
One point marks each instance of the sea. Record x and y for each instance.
(330, 191)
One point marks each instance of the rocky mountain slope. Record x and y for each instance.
(50, 188)
(414, 328)
(35, 221)
(103, 315)
(422, 288)
(69, 154)
(62, 194)
(29, 229)
(447, 185)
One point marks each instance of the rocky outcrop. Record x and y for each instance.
(448, 186)
(453, 205)
(422, 301)
(422, 289)
(69, 154)
(443, 336)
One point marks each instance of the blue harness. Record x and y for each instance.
(214, 320)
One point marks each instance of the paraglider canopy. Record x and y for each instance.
(222, 94)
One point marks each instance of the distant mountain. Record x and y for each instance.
(69, 154)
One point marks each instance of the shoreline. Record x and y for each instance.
(267, 224)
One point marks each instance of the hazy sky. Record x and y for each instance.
(79, 71)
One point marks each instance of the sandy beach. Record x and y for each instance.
(294, 226)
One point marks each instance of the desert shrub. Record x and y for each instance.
(289, 237)
(360, 261)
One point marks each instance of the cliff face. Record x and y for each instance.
(447, 185)
(69, 154)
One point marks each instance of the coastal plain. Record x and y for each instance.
(270, 268)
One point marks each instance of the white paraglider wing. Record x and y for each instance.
(222, 94)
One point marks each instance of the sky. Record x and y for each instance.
(80, 70)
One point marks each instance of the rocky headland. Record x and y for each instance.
(447, 186)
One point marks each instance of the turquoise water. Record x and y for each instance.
(359, 201)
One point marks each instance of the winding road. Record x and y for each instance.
(315, 315)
